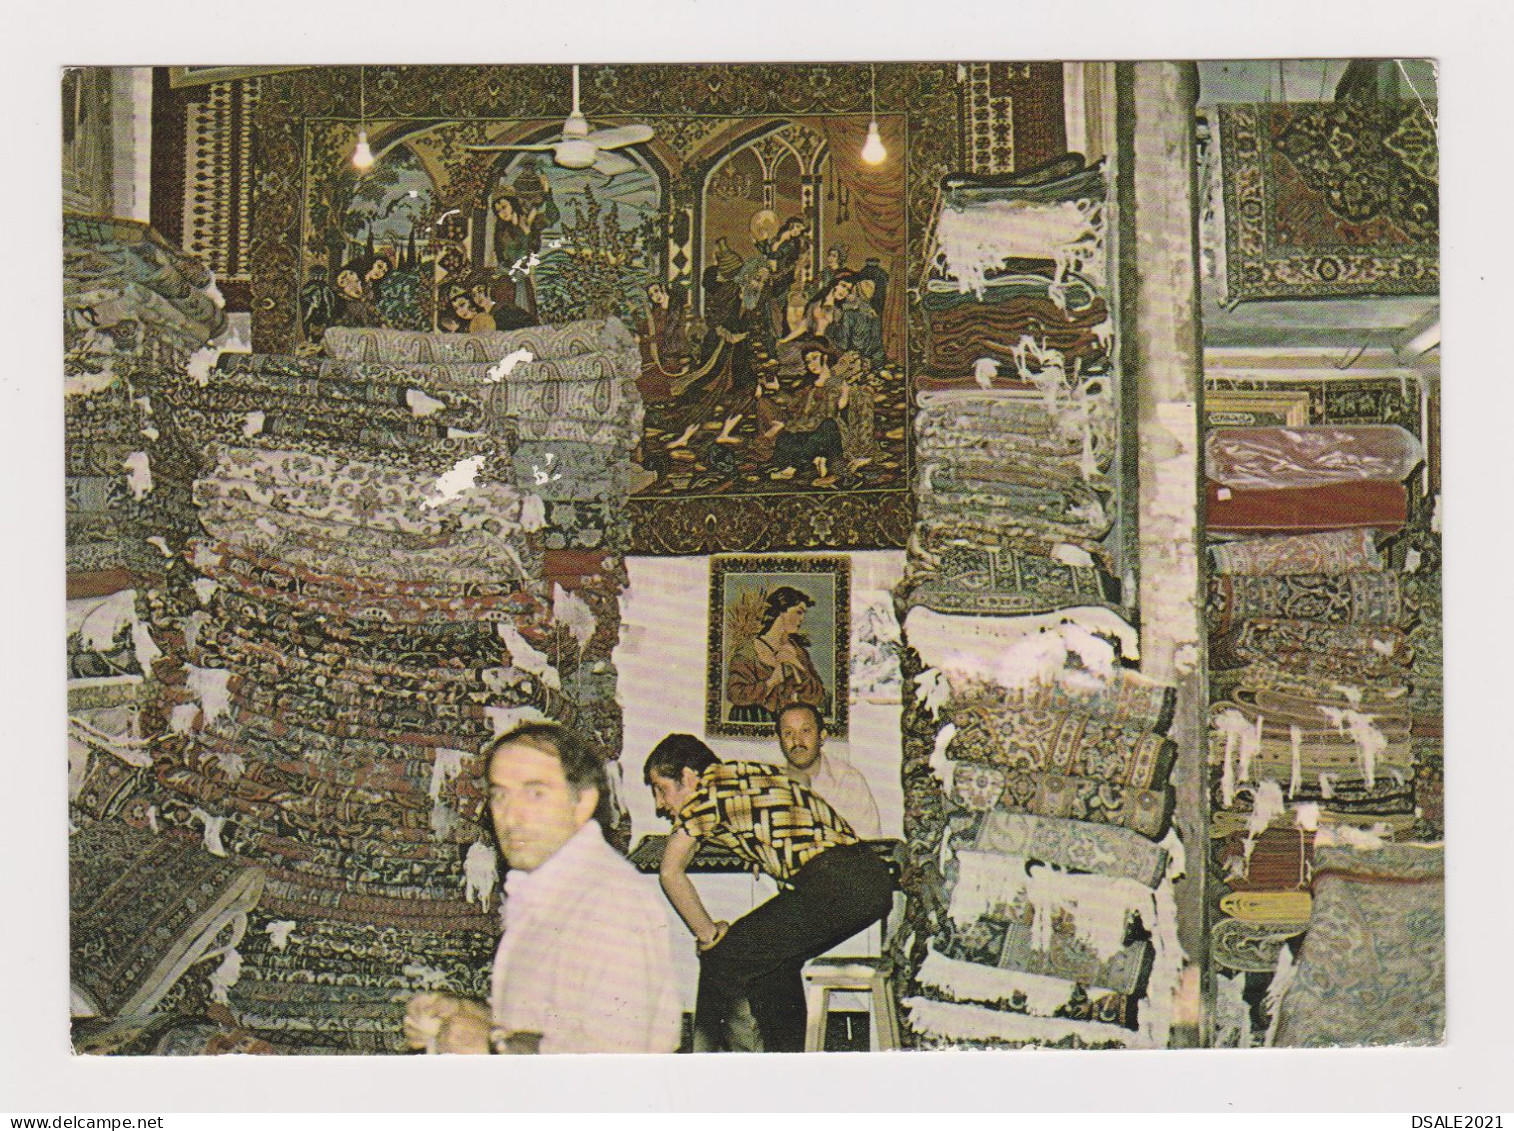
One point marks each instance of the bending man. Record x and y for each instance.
(584, 964)
(832, 885)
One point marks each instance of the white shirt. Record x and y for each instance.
(586, 957)
(841, 786)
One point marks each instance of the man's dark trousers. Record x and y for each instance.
(835, 895)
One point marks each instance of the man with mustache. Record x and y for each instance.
(837, 783)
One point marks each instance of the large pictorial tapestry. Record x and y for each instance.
(1330, 199)
(762, 260)
(768, 314)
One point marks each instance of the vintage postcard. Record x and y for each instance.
(975, 524)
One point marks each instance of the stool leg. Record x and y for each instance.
(817, 1006)
(885, 1013)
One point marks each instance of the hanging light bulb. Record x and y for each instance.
(872, 149)
(362, 156)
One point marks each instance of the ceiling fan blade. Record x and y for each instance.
(540, 147)
(612, 163)
(617, 136)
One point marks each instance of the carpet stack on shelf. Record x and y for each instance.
(1036, 767)
(399, 554)
(1018, 256)
(1049, 865)
(135, 312)
(1324, 764)
(1015, 486)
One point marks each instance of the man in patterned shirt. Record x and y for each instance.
(831, 884)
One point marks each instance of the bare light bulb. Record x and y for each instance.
(872, 149)
(362, 156)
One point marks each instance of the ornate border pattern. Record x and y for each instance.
(1363, 163)
(217, 208)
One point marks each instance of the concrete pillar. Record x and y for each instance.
(1162, 357)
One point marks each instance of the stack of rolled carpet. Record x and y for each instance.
(1016, 494)
(1051, 863)
(1036, 766)
(1312, 611)
(1017, 256)
(398, 556)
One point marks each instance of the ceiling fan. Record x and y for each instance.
(577, 148)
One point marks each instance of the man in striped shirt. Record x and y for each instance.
(831, 884)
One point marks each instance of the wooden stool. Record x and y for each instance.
(825, 976)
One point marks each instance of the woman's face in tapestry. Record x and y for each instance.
(378, 270)
(348, 283)
(504, 210)
(814, 361)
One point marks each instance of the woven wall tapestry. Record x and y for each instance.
(747, 231)
(1014, 116)
(1325, 200)
(780, 628)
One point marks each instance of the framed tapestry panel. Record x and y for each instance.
(780, 629)
(718, 245)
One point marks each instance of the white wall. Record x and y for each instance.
(131, 141)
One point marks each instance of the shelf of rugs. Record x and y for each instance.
(136, 311)
(1017, 428)
(1041, 882)
(1036, 764)
(1325, 761)
(398, 551)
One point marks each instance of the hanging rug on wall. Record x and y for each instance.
(1329, 199)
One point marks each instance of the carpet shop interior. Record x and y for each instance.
(1092, 410)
